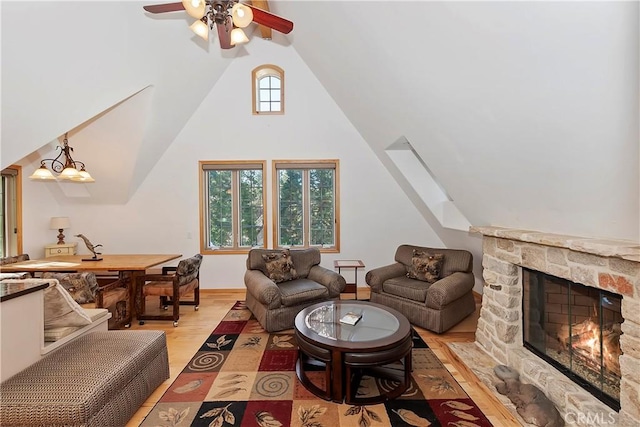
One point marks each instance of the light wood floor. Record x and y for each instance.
(195, 326)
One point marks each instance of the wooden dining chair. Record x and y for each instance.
(170, 286)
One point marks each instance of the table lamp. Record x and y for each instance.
(60, 223)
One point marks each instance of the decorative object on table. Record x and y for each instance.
(350, 318)
(55, 249)
(91, 247)
(60, 223)
(65, 166)
(244, 372)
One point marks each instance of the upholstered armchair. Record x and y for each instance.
(173, 284)
(84, 289)
(280, 283)
(432, 287)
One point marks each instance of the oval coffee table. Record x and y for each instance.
(378, 345)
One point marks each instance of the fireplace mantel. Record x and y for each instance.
(612, 265)
(624, 249)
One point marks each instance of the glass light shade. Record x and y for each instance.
(201, 29)
(59, 222)
(43, 174)
(238, 36)
(69, 173)
(242, 15)
(195, 8)
(84, 176)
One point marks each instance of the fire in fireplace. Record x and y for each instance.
(576, 328)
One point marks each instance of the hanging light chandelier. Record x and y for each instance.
(64, 165)
(226, 13)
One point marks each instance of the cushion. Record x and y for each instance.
(61, 310)
(81, 286)
(424, 266)
(188, 269)
(279, 266)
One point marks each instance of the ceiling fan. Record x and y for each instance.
(229, 17)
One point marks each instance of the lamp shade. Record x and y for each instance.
(59, 222)
(242, 15)
(238, 36)
(83, 176)
(69, 173)
(42, 173)
(201, 29)
(195, 8)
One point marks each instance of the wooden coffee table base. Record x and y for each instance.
(344, 368)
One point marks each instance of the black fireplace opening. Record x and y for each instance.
(575, 328)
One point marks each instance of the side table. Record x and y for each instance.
(355, 264)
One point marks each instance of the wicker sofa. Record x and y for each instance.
(436, 306)
(275, 301)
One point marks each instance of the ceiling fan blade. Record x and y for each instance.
(272, 21)
(265, 31)
(162, 8)
(224, 34)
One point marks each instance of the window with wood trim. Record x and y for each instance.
(268, 89)
(232, 201)
(306, 204)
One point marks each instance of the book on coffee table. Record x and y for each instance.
(351, 318)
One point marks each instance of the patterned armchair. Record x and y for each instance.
(280, 283)
(84, 289)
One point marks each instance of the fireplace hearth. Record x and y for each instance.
(577, 329)
(598, 344)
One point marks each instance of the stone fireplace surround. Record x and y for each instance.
(612, 265)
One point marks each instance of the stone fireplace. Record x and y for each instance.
(612, 266)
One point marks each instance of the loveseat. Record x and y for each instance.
(280, 283)
(432, 287)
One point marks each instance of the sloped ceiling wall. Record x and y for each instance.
(526, 112)
(66, 63)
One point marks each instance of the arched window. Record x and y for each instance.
(268, 89)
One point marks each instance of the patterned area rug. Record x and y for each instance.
(244, 376)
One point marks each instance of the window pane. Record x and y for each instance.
(275, 95)
(265, 106)
(321, 201)
(265, 95)
(264, 83)
(251, 209)
(275, 82)
(290, 208)
(220, 208)
(275, 106)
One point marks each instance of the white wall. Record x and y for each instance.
(163, 217)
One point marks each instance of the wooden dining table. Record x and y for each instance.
(128, 266)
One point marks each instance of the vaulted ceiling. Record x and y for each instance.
(526, 113)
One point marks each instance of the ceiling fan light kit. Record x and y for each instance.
(229, 16)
